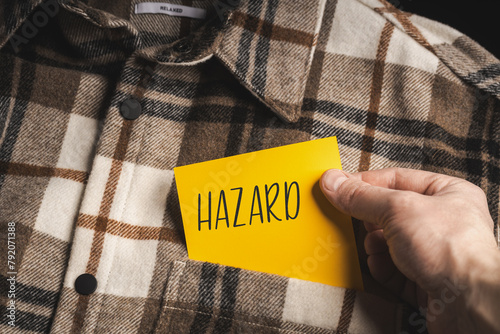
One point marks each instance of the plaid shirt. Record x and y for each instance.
(84, 190)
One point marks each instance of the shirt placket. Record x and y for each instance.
(100, 235)
(104, 200)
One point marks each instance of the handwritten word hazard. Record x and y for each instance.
(223, 209)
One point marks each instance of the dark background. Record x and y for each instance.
(478, 19)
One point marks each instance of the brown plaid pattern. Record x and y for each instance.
(91, 192)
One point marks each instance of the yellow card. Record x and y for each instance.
(264, 211)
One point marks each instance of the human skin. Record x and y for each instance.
(430, 241)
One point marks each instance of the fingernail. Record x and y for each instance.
(332, 179)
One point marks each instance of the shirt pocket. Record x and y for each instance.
(202, 297)
(207, 298)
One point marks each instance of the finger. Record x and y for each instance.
(371, 227)
(419, 181)
(358, 198)
(385, 272)
(382, 267)
(375, 243)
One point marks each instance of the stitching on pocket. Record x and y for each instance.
(232, 319)
(173, 282)
(171, 293)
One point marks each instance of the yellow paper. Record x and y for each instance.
(268, 214)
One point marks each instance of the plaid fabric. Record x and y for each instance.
(91, 192)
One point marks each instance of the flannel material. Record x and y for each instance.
(88, 191)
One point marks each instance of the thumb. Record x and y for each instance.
(357, 198)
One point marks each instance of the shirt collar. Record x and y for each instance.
(270, 50)
(268, 46)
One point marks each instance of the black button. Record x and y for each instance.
(130, 109)
(85, 284)
(183, 46)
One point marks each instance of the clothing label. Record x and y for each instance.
(170, 9)
(264, 211)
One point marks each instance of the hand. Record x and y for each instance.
(426, 231)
